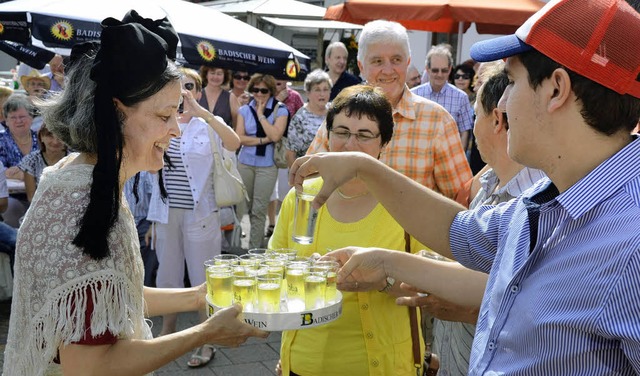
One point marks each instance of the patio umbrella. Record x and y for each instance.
(33, 56)
(444, 16)
(207, 36)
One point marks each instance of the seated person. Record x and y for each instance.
(52, 149)
(360, 119)
(7, 233)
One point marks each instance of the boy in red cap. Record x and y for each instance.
(563, 296)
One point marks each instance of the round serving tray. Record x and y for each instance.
(288, 320)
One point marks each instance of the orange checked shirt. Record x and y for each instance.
(425, 145)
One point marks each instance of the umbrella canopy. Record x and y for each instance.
(207, 36)
(445, 16)
(33, 56)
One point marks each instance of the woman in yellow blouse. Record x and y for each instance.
(373, 336)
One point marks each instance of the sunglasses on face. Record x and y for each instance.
(441, 70)
(463, 76)
(189, 85)
(241, 77)
(257, 90)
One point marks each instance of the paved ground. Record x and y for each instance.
(257, 357)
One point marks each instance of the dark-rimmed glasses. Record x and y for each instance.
(262, 90)
(463, 76)
(189, 85)
(441, 70)
(362, 137)
(241, 77)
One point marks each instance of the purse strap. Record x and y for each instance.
(413, 319)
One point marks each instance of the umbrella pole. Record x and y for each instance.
(459, 49)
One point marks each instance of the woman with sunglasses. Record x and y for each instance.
(239, 82)
(462, 77)
(215, 97)
(259, 127)
(187, 222)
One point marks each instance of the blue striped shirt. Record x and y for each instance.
(454, 100)
(572, 305)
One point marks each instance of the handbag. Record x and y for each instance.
(279, 151)
(413, 321)
(227, 183)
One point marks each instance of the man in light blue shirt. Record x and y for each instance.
(563, 295)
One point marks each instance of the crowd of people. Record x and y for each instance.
(475, 160)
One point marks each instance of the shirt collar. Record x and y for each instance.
(406, 105)
(601, 183)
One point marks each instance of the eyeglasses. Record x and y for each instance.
(18, 118)
(189, 86)
(361, 137)
(463, 76)
(241, 77)
(441, 70)
(262, 90)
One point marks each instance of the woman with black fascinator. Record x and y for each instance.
(79, 299)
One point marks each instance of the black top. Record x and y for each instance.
(346, 79)
(222, 107)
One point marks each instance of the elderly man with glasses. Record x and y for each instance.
(425, 145)
(438, 89)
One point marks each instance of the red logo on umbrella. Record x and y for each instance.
(206, 51)
(293, 67)
(62, 30)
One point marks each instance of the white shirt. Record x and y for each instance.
(198, 161)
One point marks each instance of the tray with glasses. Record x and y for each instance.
(277, 289)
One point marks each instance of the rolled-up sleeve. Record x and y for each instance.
(475, 234)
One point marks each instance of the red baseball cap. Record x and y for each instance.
(598, 39)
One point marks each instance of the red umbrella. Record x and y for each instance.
(445, 16)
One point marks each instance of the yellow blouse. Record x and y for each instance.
(373, 336)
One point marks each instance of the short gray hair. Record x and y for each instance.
(383, 31)
(15, 102)
(332, 46)
(439, 50)
(316, 77)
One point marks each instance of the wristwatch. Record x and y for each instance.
(390, 282)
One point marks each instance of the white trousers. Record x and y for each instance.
(185, 239)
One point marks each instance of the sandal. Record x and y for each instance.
(199, 360)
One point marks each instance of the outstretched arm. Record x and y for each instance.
(365, 269)
(137, 357)
(425, 214)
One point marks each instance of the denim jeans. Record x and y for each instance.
(8, 241)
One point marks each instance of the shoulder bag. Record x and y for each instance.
(227, 183)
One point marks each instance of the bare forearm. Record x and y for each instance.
(130, 357)
(425, 214)
(164, 301)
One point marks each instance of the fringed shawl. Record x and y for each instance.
(52, 276)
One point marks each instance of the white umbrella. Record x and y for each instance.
(207, 36)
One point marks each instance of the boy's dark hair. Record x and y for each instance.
(603, 109)
(492, 91)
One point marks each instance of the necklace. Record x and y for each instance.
(347, 197)
(26, 142)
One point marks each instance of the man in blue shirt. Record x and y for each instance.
(438, 89)
(563, 295)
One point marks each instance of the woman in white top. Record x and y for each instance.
(187, 223)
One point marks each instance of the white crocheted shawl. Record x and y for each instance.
(52, 275)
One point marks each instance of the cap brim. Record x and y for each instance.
(498, 48)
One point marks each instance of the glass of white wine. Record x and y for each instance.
(269, 286)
